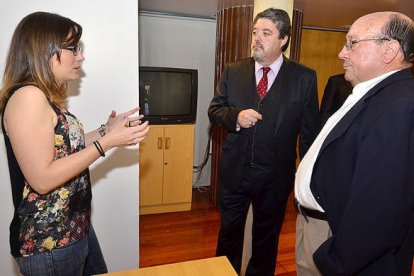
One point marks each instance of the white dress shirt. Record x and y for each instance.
(303, 192)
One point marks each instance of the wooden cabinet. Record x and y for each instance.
(166, 169)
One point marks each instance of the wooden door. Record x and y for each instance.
(151, 164)
(178, 163)
(319, 51)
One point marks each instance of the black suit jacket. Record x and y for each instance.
(295, 111)
(364, 180)
(336, 91)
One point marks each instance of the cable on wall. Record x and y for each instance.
(199, 168)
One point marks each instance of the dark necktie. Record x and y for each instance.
(262, 86)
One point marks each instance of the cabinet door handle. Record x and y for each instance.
(167, 143)
(159, 143)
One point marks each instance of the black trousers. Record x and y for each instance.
(260, 189)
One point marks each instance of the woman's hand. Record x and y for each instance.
(122, 135)
(124, 129)
(131, 120)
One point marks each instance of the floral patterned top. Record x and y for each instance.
(60, 217)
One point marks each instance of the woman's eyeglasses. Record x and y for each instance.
(76, 49)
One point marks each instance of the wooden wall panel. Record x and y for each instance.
(319, 50)
(296, 37)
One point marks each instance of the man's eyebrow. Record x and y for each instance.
(266, 29)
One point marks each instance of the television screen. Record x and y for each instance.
(168, 95)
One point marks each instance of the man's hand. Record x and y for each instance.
(248, 118)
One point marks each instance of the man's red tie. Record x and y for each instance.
(262, 86)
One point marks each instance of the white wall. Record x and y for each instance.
(183, 42)
(110, 82)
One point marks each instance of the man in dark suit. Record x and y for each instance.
(359, 170)
(336, 91)
(264, 115)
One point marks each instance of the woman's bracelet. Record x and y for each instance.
(99, 148)
(103, 130)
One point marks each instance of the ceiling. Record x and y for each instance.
(333, 14)
(199, 8)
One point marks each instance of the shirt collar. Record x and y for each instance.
(361, 88)
(275, 66)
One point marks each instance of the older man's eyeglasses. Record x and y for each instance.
(76, 49)
(350, 43)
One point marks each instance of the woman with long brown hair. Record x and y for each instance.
(48, 151)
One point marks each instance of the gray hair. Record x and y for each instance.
(402, 30)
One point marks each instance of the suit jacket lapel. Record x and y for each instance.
(280, 87)
(344, 123)
(250, 82)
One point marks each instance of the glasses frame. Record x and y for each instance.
(350, 43)
(75, 49)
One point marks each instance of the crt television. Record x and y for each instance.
(168, 95)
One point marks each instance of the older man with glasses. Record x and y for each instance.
(354, 188)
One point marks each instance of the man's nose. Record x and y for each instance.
(342, 53)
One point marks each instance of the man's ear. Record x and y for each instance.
(392, 51)
(284, 41)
